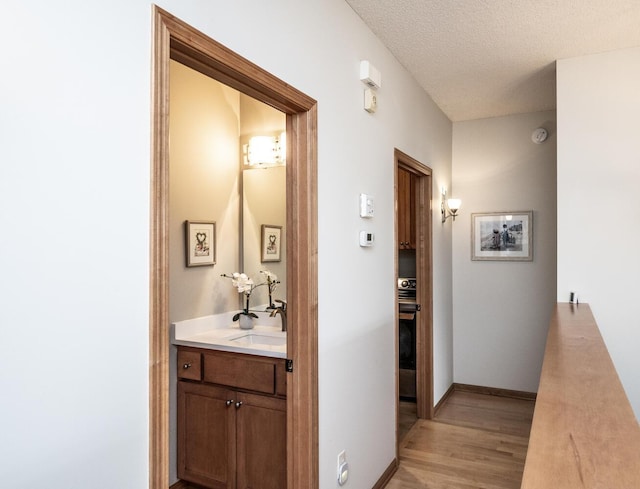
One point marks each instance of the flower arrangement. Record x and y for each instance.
(246, 285)
(272, 283)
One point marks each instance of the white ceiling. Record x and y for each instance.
(488, 58)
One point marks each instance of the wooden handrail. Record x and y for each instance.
(584, 432)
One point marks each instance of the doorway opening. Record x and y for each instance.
(175, 40)
(414, 300)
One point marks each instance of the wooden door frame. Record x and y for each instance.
(174, 39)
(424, 276)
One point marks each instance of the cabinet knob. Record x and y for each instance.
(229, 402)
(186, 365)
(238, 404)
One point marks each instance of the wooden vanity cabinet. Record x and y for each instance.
(406, 210)
(228, 436)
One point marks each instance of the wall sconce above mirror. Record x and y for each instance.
(449, 207)
(265, 151)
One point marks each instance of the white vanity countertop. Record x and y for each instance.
(219, 332)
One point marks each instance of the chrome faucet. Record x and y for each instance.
(282, 310)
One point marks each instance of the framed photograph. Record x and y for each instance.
(200, 243)
(506, 236)
(271, 241)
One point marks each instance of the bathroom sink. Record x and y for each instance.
(260, 339)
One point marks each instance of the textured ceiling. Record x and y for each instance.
(488, 58)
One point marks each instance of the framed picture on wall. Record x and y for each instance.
(200, 243)
(271, 243)
(502, 236)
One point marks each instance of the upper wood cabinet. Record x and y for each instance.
(406, 210)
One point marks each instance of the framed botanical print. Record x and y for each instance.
(200, 243)
(271, 243)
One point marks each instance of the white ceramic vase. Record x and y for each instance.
(246, 321)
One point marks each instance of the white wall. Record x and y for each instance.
(598, 199)
(74, 199)
(204, 156)
(74, 220)
(501, 310)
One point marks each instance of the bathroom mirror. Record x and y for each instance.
(263, 214)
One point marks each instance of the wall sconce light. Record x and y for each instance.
(265, 151)
(449, 207)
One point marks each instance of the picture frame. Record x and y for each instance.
(271, 242)
(502, 236)
(200, 243)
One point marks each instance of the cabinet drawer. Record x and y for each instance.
(189, 365)
(240, 371)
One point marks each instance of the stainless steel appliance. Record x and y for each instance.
(408, 307)
(407, 290)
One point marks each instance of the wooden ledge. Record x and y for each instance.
(584, 432)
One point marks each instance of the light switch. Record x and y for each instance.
(366, 206)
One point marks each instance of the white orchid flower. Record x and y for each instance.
(242, 282)
(271, 277)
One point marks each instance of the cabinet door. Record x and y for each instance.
(406, 209)
(206, 435)
(261, 426)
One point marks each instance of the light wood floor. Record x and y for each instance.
(475, 441)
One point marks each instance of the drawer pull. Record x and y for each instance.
(238, 404)
(186, 366)
(229, 402)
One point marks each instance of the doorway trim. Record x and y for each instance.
(424, 276)
(174, 39)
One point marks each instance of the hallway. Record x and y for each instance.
(475, 441)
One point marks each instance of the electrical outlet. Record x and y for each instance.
(343, 468)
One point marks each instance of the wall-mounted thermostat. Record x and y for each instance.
(366, 238)
(366, 205)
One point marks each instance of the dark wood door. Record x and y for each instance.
(207, 435)
(261, 427)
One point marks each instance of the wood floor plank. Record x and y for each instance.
(475, 441)
(504, 415)
(408, 417)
